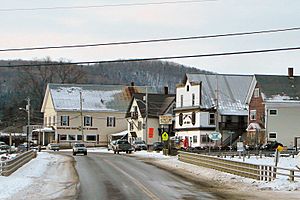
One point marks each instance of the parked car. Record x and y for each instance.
(53, 146)
(22, 148)
(111, 144)
(158, 146)
(122, 146)
(79, 148)
(139, 145)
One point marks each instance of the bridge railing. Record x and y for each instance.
(253, 171)
(10, 166)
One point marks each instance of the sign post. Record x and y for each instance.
(240, 148)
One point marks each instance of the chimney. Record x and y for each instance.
(290, 72)
(166, 90)
(132, 84)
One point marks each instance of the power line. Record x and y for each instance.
(152, 40)
(156, 58)
(101, 6)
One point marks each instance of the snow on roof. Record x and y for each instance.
(94, 97)
(232, 91)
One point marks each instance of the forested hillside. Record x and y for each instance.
(16, 84)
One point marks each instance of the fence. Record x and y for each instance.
(10, 166)
(258, 172)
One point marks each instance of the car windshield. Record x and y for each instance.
(122, 142)
(79, 145)
(54, 145)
(139, 142)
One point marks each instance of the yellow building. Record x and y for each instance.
(87, 113)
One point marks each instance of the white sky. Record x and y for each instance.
(111, 24)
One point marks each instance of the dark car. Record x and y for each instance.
(22, 148)
(158, 146)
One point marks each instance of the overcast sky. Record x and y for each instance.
(53, 27)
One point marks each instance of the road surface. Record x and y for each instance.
(107, 176)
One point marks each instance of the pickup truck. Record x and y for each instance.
(122, 146)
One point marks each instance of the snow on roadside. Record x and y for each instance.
(25, 175)
(245, 184)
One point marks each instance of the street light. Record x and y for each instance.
(28, 120)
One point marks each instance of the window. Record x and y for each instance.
(63, 137)
(252, 114)
(79, 137)
(45, 121)
(228, 119)
(71, 137)
(195, 138)
(273, 112)
(87, 121)
(180, 119)
(187, 88)
(256, 92)
(91, 138)
(193, 118)
(111, 122)
(54, 122)
(211, 118)
(193, 99)
(204, 139)
(64, 120)
(181, 100)
(49, 124)
(131, 126)
(140, 125)
(272, 135)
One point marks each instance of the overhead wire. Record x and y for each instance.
(39, 64)
(151, 40)
(102, 6)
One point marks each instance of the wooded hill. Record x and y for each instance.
(16, 84)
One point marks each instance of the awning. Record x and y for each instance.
(46, 130)
(253, 127)
(120, 134)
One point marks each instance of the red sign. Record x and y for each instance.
(150, 132)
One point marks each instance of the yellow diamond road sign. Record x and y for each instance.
(165, 136)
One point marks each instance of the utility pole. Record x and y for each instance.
(217, 104)
(81, 116)
(28, 121)
(146, 119)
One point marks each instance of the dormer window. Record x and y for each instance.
(187, 88)
(256, 92)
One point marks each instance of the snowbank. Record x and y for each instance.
(32, 177)
(246, 184)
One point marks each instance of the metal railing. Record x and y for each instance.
(257, 172)
(10, 166)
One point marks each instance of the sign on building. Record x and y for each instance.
(165, 119)
(150, 132)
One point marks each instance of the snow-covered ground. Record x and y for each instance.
(38, 180)
(282, 183)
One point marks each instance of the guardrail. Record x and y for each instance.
(10, 166)
(257, 172)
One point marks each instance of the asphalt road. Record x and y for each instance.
(107, 176)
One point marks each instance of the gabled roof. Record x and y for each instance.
(279, 88)
(158, 104)
(66, 97)
(231, 92)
